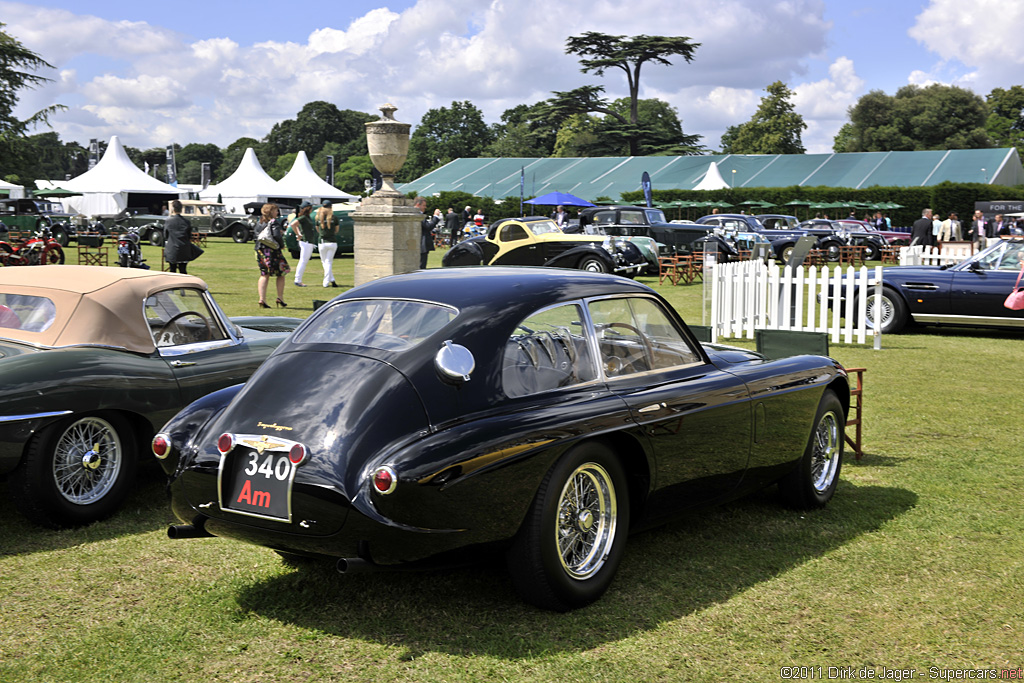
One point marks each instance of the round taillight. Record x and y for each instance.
(384, 480)
(225, 443)
(161, 446)
(297, 454)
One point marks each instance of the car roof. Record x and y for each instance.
(95, 305)
(494, 287)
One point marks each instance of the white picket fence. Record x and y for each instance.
(931, 256)
(750, 295)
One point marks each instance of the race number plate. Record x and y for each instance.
(257, 484)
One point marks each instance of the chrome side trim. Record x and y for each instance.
(33, 416)
(919, 286)
(974, 320)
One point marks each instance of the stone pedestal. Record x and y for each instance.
(387, 237)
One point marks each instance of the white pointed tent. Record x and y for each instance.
(249, 183)
(11, 190)
(712, 179)
(303, 180)
(116, 184)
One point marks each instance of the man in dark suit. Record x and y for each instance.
(453, 224)
(979, 227)
(921, 231)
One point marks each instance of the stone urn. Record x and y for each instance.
(388, 142)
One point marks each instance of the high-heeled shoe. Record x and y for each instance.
(263, 304)
(282, 304)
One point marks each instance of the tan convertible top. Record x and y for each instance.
(95, 305)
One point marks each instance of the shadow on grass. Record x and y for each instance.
(146, 509)
(676, 570)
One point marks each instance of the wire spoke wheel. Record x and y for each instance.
(87, 460)
(586, 526)
(825, 454)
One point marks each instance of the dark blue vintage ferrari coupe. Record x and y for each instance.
(539, 411)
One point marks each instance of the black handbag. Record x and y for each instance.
(194, 251)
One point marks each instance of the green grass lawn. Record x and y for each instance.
(918, 562)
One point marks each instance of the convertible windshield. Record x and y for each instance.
(1005, 255)
(388, 324)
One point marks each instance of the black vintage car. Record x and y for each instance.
(782, 240)
(546, 413)
(856, 233)
(629, 221)
(538, 241)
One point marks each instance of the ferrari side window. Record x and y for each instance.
(547, 351)
(635, 335)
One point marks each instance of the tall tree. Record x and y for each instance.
(1005, 123)
(445, 134)
(599, 52)
(775, 127)
(17, 67)
(316, 124)
(915, 118)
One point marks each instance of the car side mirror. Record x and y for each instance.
(454, 362)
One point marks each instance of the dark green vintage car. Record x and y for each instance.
(92, 361)
(345, 237)
(29, 214)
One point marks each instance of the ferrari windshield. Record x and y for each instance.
(389, 324)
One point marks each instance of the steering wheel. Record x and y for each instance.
(389, 342)
(648, 349)
(168, 337)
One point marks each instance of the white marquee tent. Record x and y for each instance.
(712, 179)
(11, 190)
(249, 183)
(303, 180)
(113, 185)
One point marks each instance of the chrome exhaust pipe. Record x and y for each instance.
(187, 531)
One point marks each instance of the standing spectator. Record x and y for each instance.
(427, 226)
(327, 228)
(999, 227)
(950, 229)
(271, 260)
(467, 216)
(936, 229)
(979, 228)
(453, 225)
(178, 244)
(879, 222)
(921, 231)
(478, 218)
(560, 216)
(305, 230)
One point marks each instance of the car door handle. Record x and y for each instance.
(181, 363)
(651, 408)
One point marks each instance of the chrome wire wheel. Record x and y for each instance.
(586, 523)
(826, 452)
(87, 459)
(878, 317)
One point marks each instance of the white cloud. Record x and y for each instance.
(984, 36)
(152, 83)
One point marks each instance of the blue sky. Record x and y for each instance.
(189, 71)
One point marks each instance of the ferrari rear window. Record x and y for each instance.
(388, 324)
(26, 312)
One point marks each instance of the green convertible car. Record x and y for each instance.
(92, 361)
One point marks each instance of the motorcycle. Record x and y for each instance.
(40, 249)
(129, 250)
